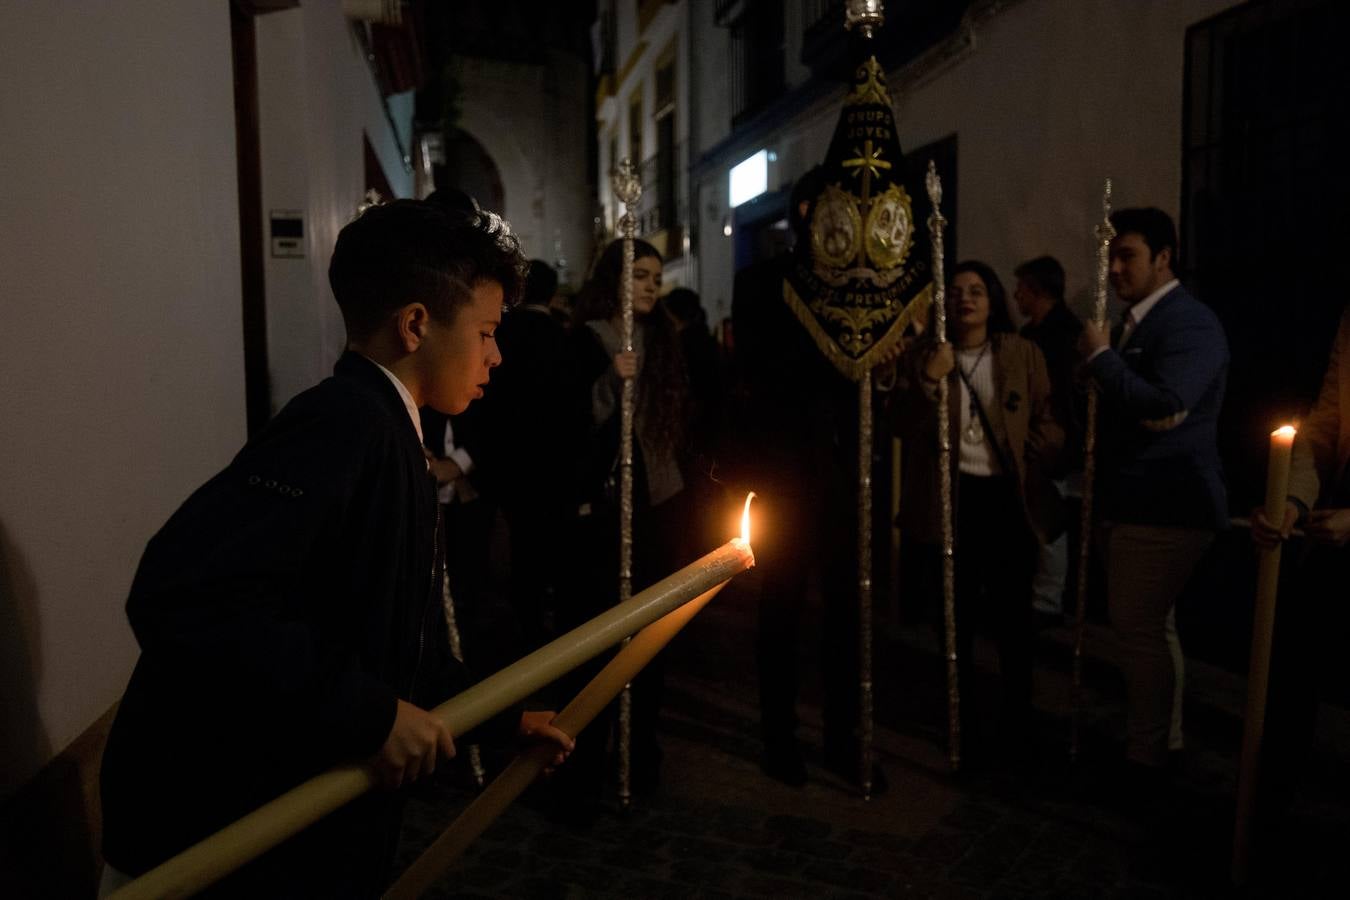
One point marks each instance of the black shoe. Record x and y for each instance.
(783, 762)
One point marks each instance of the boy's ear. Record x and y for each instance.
(412, 322)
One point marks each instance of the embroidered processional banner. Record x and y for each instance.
(868, 272)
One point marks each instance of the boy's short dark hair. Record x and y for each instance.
(1151, 224)
(409, 251)
(1045, 274)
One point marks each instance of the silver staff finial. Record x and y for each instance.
(1106, 231)
(865, 14)
(933, 182)
(627, 183)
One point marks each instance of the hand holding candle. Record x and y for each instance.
(1273, 521)
(427, 868)
(1263, 623)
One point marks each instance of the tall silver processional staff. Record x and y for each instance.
(936, 223)
(1105, 232)
(865, 278)
(627, 185)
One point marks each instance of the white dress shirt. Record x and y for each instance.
(446, 492)
(1135, 315)
(407, 396)
(1139, 310)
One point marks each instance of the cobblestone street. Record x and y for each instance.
(718, 827)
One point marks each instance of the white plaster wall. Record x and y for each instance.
(316, 95)
(122, 374)
(525, 116)
(1053, 96)
(710, 101)
(1057, 95)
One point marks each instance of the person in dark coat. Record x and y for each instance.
(524, 422)
(1053, 327)
(798, 423)
(289, 613)
(705, 524)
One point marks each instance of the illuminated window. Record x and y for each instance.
(749, 178)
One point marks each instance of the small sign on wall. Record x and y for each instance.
(287, 233)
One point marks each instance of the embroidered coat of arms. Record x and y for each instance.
(868, 271)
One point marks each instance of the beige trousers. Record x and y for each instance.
(1147, 568)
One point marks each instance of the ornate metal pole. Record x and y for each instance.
(865, 15)
(1105, 231)
(627, 185)
(475, 757)
(865, 582)
(936, 223)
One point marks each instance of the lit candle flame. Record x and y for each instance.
(1285, 432)
(745, 518)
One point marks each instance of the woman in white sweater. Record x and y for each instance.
(1003, 438)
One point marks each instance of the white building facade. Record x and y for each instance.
(1035, 102)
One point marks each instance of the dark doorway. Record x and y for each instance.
(469, 168)
(1263, 206)
(760, 228)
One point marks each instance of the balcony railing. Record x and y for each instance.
(663, 204)
(757, 64)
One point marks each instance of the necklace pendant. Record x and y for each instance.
(973, 433)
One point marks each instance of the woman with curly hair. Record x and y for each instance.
(660, 429)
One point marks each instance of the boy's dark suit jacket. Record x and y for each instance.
(1159, 461)
(281, 612)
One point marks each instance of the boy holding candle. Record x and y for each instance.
(289, 613)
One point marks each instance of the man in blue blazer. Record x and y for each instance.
(1159, 479)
